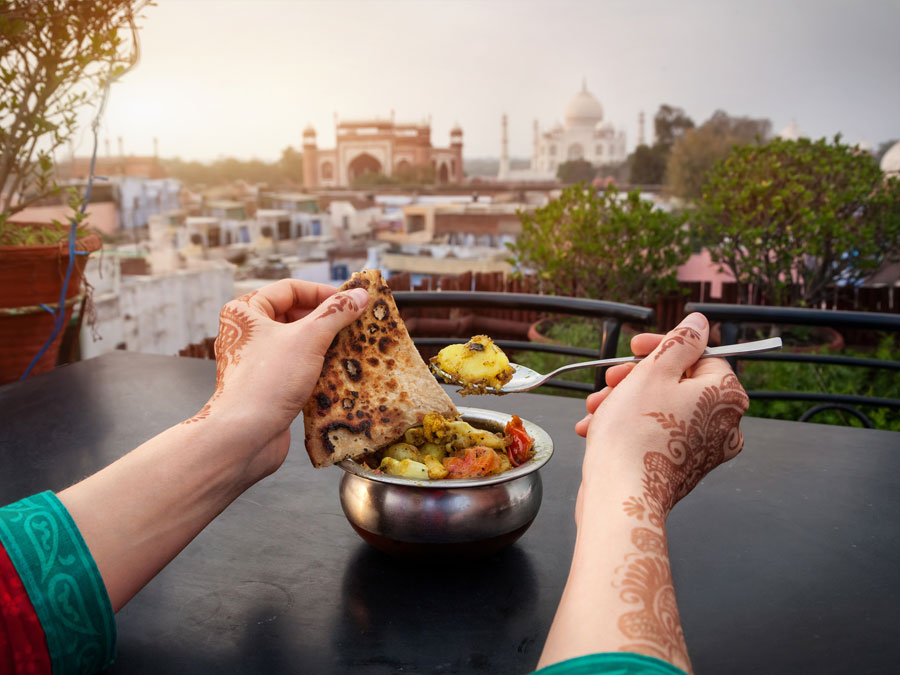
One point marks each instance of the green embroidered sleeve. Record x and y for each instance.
(63, 583)
(611, 663)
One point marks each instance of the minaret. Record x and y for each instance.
(310, 152)
(535, 146)
(640, 138)
(503, 174)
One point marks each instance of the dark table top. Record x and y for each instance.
(786, 560)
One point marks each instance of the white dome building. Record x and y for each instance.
(890, 163)
(584, 135)
(791, 132)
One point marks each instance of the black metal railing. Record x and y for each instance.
(610, 314)
(732, 317)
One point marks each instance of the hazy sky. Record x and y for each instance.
(243, 77)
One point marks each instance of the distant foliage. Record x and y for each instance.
(648, 162)
(670, 123)
(576, 171)
(414, 176)
(605, 245)
(287, 171)
(648, 165)
(696, 152)
(795, 217)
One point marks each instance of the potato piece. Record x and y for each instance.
(465, 435)
(401, 451)
(433, 450)
(436, 469)
(414, 436)
(406, 468)
(478, 365)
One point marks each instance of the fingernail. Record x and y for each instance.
(360, 296)
(696, 321)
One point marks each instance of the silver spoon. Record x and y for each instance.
(525, 379)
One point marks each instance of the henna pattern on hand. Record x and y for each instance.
(695, 448)
(680, 334)
(246, 297)
(235, 331)
(340, 303)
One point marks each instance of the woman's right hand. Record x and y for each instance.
(668, 420)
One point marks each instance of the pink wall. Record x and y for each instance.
(700, 267)
(102, 216)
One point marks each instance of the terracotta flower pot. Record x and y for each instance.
(29, 277)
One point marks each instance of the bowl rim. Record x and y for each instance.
(543, 451)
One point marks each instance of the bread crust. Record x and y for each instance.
(373, 385)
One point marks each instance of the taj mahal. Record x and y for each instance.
(582, 135)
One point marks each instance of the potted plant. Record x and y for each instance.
(56, 56)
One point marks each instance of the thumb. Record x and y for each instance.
(682, 347)
(325, 321)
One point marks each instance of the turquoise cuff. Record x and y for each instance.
(612, 663)
(63, 582)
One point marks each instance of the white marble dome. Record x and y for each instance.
(890, 163)
(791, 132)
(583, 110)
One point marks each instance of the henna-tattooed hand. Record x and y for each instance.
(269, 354)
(654, 432)
(671, 418)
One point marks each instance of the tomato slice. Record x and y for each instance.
(474, 461)
(518, 442)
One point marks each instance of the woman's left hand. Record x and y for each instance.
(269, 354)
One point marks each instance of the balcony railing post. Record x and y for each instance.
(609, 342)
(730, 337)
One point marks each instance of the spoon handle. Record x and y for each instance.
(725, 350)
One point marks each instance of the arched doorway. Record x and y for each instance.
(362, 164)
(404, 168)
(443, 174)
(576, 151)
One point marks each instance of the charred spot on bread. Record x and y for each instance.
(329, 440)
(372, 328)
(353, 369)
(380, 310)
(384, 344)
(373, 361)
(354, 394)
(382, 408)
(348, 403)
(323, 401)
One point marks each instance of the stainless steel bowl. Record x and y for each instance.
(471, 517)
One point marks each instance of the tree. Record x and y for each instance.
(55, 56)
(291, 165)
(792, 218)
(576, 170)
(648, 165)
(603, 245)
(670, 124)
(694, 155)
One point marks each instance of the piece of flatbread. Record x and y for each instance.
(374, 385)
